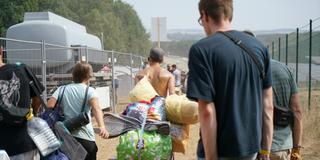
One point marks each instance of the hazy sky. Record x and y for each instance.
(248, 14)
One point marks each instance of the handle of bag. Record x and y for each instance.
(141, 132)
(85, 98)
(31, 83)
(60, 97)
(247, 50)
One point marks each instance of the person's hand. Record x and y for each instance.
(104, 133)
(263, 157)
(295, 154)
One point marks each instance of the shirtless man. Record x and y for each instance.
(161, 79)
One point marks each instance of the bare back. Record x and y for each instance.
(161, 80)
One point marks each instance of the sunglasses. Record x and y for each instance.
(200, 21)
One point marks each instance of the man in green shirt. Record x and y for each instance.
(287, 137)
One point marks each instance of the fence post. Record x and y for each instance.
(112, 82)
(279, 48)
(87, 54)
(131, 72)
(297, 56)
(44, 69)
(272, 50)
(310, 60)
(287, 37)
(141, 63)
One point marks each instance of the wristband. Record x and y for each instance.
(297, 146)
(264, 152)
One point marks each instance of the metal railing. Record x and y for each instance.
(53, 63)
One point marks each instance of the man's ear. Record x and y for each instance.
(206, 17)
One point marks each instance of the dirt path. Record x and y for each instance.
(311, 134)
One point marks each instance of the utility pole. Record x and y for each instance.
(102, 41)
(158, 30)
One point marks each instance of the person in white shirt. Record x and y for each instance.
(177, 75)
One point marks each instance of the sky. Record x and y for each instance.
(248, 14)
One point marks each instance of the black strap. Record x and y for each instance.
(249, 51)
(85, 99)
(60, 97)
(31, 75)
(36, 91)
(34, 87)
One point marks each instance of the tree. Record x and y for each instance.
(11, 12)
(122, 28)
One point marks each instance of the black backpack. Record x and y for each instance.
(10, 114)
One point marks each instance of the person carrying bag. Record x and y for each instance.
(78, 101)
(79, 120)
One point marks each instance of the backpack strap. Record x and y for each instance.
(85, 99)
(31, 75)
(60, 97)
(34, 87)
(253, 56)
(36, 91)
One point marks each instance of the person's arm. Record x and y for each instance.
(297, 126)
(97, 113)
(267, 120)
(53, 99)
(51, 102)
(137, 78)
(208, 123)
(35, 104)
(171, 82)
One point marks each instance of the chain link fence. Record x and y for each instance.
(52, 64)
(301, 51)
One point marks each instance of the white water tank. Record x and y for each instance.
(52, 29)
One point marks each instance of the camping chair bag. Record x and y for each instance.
(156, 146)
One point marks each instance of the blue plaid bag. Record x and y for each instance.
(51, 116)
(57, 155)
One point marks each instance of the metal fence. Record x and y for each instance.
(113, 71)
(301, 51)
